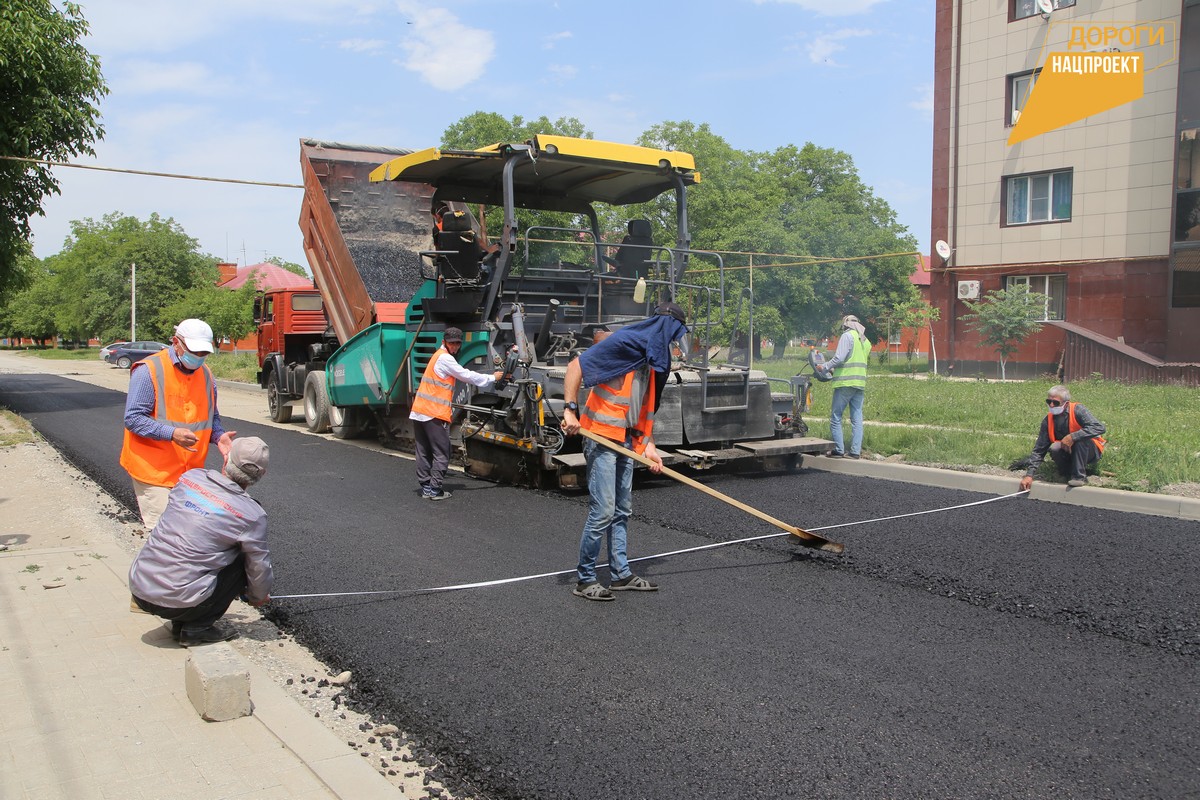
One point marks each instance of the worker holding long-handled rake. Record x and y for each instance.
(626, 372)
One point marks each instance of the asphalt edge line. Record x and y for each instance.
(1088, 496)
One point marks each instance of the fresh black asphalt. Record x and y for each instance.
(1013, 649)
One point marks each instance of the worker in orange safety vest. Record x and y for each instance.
(1072, 437)
(171, 417)
(627, 372)
(432, 410)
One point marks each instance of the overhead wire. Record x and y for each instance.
(152, 174)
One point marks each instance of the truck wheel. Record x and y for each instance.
(124, 362)
(347, 421)
(280, 410)
(316, 402)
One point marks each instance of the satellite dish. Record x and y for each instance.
(943, 249)
(1045, 7)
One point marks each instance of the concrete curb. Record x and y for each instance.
(1088, 496)
(344, 771)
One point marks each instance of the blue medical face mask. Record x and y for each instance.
(191, 360)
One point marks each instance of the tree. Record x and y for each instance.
(50, 87)
(484, 128)
(290, 266)
(807, 201)
(913, 318)
(1005, 318)
(30, 312)
(229, 312)
(92, 275)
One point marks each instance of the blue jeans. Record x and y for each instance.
(610, 502)
(847, 396)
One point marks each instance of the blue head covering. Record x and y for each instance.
(645, 342)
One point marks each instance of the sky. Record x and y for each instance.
(227, 88)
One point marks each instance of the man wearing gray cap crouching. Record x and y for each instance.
(209, 547)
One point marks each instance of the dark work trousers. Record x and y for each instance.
(432, 438)
(231, 582)
(1074, 463)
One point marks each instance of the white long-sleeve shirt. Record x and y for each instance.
(447, 367)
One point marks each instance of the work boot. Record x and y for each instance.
(210, 635)
(1077, 482)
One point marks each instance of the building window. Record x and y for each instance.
(1022, 9)
(1019, 87)
(1039, 197)
(1054, 287)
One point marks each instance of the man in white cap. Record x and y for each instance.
(209, 547)
(849, 368)
(171, 417)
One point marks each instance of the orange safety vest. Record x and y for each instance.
(434, 395)
(1072, 426)
(182, 400)
(607, 412)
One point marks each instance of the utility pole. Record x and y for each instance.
(133, 302)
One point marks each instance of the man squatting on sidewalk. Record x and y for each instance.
(209, 546)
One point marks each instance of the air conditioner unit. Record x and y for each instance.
(968, 290)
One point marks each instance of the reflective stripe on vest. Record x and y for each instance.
(1073, 426)
(181, 400)
(435, 395)
(609, 412)
(854, 371)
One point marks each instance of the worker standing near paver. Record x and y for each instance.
(432, 410)
(171, 417)
(627, 372)
(849, 368)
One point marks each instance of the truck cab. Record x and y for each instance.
(293, 340)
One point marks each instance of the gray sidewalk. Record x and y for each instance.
(93, 695)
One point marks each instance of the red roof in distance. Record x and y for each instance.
(268, 276)
(921, 276)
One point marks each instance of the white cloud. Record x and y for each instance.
(924, 103)
(822, 48)
(562, 72)
(829, 8)
(149, 77)
(554, 38)
(447, 54)
(362, 45)
(142, 26)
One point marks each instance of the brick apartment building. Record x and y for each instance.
(1101, 215)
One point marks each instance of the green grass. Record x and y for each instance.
(62, 354)
(234, 366)
(15, 430)
(1153, 431)
(227, 366)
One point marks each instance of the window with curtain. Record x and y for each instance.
(1038, 197)
(1053, 287)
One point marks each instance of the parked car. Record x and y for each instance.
(108, 348)
(123, 355)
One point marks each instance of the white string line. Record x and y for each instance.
(482, 584)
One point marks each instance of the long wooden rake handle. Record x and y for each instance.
(806, 538)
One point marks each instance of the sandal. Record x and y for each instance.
(592, 591)
(633, 583)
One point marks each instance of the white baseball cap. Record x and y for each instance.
(196, 335)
